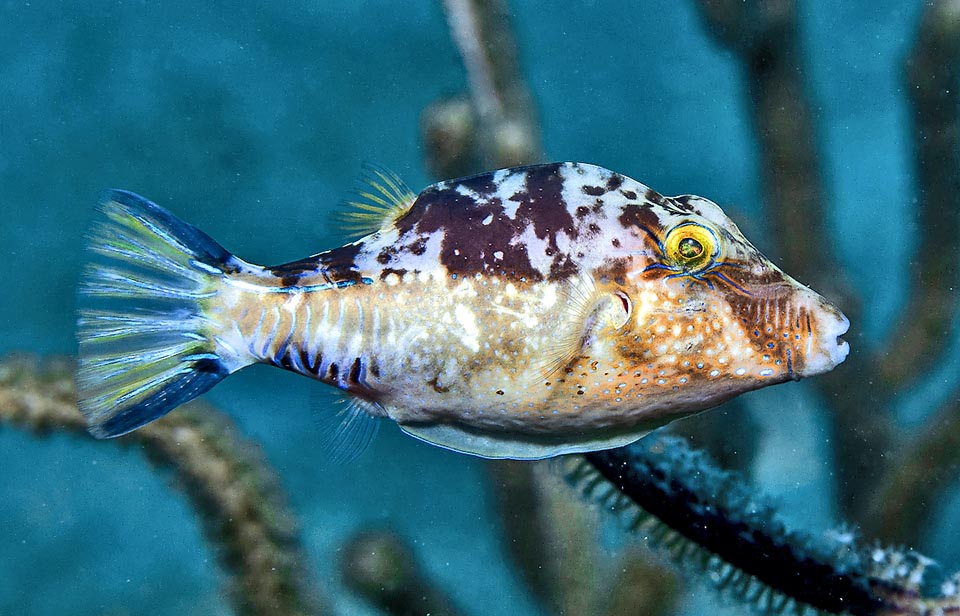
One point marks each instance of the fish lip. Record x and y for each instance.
(842, 349)
(832, 350)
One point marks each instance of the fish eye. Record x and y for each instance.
(689, 248)
(692, 246)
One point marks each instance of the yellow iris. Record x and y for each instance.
(692, 245)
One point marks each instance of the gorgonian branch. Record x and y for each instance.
(918, 479)
(933, 89)
(766, 38)
(712, 520)
(225, 477)
(496, 125)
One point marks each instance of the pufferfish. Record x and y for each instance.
(522, 313)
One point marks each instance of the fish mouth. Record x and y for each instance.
(832, 349)
(842, 348)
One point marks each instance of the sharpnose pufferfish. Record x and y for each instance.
(523, 313)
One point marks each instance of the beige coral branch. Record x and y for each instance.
(933, 86)
(498, 128)
(766, 37)
(225, 477)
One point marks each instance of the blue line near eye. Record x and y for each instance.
(789, 364)
(722, 277)
(662, 266)
(729, 264)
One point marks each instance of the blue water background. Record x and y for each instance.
(252, 123)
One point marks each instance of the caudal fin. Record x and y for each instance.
(145, 346)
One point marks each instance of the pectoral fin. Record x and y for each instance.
(590, 311)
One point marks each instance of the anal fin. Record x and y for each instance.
(348, 430)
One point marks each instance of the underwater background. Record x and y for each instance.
(252, 122)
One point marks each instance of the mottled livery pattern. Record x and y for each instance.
(530, 312)
(520, 302)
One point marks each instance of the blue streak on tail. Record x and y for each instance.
(144, 342)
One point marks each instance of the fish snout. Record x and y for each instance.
(828, 349)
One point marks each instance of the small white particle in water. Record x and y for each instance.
(487, 220)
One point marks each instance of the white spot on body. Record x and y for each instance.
(549, 297)
(508, 184)
(468, 322)
(536, 249)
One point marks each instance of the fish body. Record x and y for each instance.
(522, 313)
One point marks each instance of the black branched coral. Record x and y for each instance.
(711, 520)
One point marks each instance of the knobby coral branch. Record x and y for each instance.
(499, 127)
(711, 519)
(933, 88)
(379, 566)
(765, 37)
(496, 126)
(225, 477)
(554, 541)
(924, 467)
(918, 480)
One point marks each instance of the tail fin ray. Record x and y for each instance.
(145, 344)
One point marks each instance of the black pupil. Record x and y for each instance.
(689, 248)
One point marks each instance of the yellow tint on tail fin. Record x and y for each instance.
(144, 342)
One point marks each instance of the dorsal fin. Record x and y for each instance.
(382, 199)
